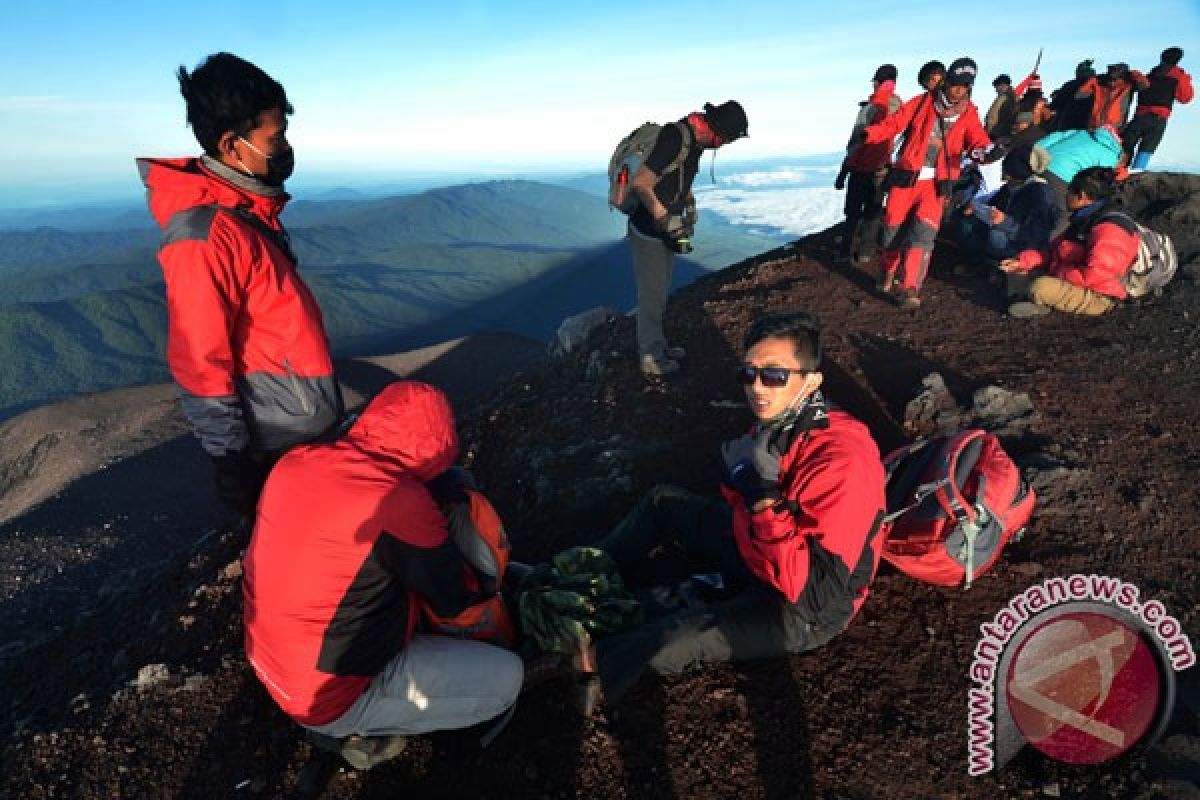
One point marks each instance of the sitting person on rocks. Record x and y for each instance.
(1083, 269)
(794, 539)
(1020, 220)
(350, 542)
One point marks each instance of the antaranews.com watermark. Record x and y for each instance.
(1080, 667)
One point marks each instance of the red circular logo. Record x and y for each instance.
(1083, 687)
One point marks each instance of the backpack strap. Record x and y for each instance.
(687, 141)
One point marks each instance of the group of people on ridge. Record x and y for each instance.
(1027, 187)
(357, 519)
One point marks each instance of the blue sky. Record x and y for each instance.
(477, 87)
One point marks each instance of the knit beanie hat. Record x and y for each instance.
(1039, 159)
(885, 73)
(728, 120)
(1035, 84)
(1002, 79)
(1016, 163)
(961, 72)
(1084, 70)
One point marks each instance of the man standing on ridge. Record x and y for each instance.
(866, 165)
(662, 224)
(245, 340)
(939, 128)
(1165, 85)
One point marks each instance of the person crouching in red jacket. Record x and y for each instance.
(793, 542)
(939, 127)
(1083, 270)
(351, 539)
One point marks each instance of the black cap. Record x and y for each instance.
(1084, 70)
(961, 72)
(728, 120)
(885, 73)
(1172, 56)
(930, 69)
(1002, 78)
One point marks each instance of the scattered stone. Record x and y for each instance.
(1029, 569)
(1001, 411)
(933, 410)
(151, 675)
(232, 570)
(596, 369)
(575, 330)
(1051, 790)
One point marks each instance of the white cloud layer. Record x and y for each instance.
(770, 200)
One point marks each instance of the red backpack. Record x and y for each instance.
(953, 503)
(479, 535)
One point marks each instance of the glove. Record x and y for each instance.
(671, 226)
(239, 481)
(448, 488)
(751, 468)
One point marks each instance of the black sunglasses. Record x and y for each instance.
(772, 377)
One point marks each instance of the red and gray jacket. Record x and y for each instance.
(916, 119)
(871, 157)
(1095, 252)
(1161, 89)
(347, 537)
(245, 341)
(819, 548)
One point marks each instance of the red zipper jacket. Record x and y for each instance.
(1162, 89)
(1090, 254)
(965, 135)
(245, 339)
(819, 548)
(872, 157)
(347, 537)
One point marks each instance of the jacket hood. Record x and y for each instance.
(412, 424)
(177, 184)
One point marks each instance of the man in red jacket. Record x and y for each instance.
(1157, 94)
(351, 537)
(866, 165)
(939, 127)
(1083, 270)
(245, 341)
(793, 541)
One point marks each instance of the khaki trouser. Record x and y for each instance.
(1063, 296)
(652, 264)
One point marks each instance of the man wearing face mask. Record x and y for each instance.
(938, 129)
(793, 539)
(245, 341)
(663, 222)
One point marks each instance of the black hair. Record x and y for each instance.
(930, 69)
(802, 327)
(227, 93)
(1172, 56)
(1096, 182)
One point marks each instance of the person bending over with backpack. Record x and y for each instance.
(939, 128)
(794, 537)
(665, 217)
(352, 540)
(246, 343)
(1083, 270)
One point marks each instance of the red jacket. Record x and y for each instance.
(1161, 89)
(872, 157)
(819, 551)
(1110, 104)
(347, 535)
(965, 135)
(1091, 255)
(245, 338)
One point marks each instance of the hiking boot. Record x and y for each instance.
(586, 695)
(547, 667)
(886, 282)
(655, 367)
(361, 752)
(1027, 310)
(909, 299)
(674, 352)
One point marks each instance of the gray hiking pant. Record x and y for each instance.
(755, 622)
(652, 265)
(436, 683)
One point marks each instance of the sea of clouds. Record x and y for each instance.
(788, 199)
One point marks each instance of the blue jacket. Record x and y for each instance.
(1030, 216)
(1072, 151)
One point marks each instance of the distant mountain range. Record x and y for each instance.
(83, 310)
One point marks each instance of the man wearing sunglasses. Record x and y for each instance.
(793, 540)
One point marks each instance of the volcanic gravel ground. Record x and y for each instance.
(566, 449)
